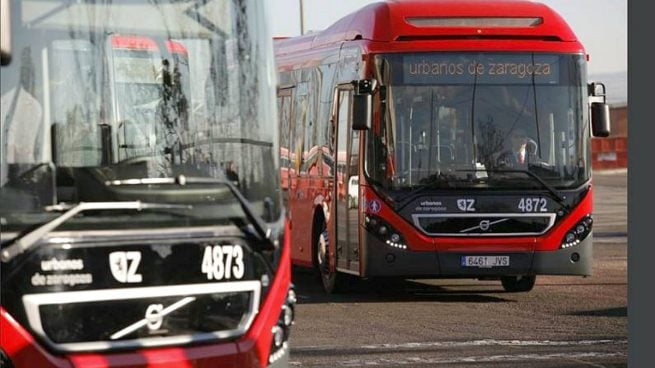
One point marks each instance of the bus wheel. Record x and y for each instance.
(516, 284)
(328, 279)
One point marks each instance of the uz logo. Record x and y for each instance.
(466, 205)
(123, 266)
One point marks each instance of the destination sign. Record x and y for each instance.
(480, 69)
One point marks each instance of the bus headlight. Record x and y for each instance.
(577, 233)
(384, 232)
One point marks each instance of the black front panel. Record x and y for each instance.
(102, 265)
(78, 294)
(111, 320)
(481, 214)
(472, 202)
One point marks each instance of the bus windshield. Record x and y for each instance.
(469, 120)
(106, 101)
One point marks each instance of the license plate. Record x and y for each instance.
(485, 261)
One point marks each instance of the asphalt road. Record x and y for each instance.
(562, 322)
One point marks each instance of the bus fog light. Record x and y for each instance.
(575, 257)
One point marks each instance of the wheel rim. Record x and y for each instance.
(323, 263)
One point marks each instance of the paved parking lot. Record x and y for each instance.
(563, 322)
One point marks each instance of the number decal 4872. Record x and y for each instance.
(537, 204)
(223, 262)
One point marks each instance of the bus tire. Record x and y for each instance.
(322, 241)
(518, 284)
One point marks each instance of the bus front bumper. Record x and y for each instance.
(381, 260)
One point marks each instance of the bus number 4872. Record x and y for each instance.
(532, 205)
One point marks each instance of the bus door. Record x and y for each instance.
(347, 166)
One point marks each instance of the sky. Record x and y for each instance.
(601, 25)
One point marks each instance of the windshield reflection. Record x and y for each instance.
(100, 92)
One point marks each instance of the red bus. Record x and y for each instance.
(454, 140)
(126, 242)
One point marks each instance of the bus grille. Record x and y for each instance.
(484, 224)
(111, 319)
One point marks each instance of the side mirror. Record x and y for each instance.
(600, 110)
(600, 119)
(5, 33)
(362, 106)
(363, 103)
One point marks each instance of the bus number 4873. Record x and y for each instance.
(223, 262)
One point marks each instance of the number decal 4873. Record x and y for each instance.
(223, 262)
(537, 204)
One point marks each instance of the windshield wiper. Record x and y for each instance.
(258, 224)
(26, 241)
(555, 194)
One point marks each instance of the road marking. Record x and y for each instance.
(486, 342)
(413, 361)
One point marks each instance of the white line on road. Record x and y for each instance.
(487, 342)
(413, 361)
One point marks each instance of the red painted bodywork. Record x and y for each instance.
(382, 28)
(417, 241)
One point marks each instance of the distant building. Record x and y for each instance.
(612, 152)
(619, 120)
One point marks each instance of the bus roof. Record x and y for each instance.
(439, 20)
